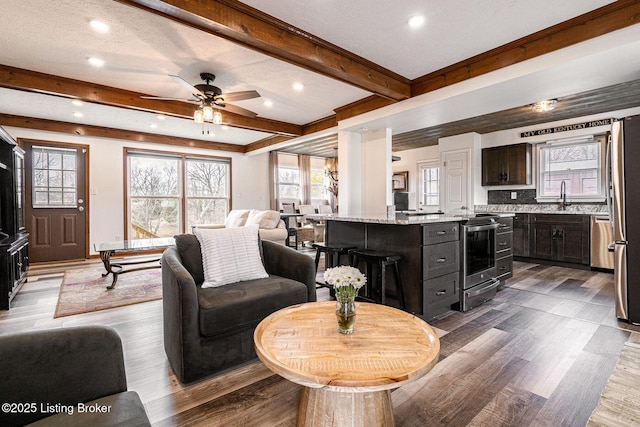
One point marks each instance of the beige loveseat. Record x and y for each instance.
(271, 227)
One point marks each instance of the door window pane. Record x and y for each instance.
(54, 175)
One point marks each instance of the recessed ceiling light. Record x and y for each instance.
(298, 86)
(224, 127)
(161, 117)
(96, 62)
(78, 114)
(416, 21)
(153, 125)
(268, 103)
(77, 102)
(99, 26)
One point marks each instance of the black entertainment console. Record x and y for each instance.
(14, 240)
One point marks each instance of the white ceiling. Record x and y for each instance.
(141, 49)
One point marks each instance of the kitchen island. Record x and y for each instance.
(429, 245)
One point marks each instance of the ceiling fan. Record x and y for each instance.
(208, 95)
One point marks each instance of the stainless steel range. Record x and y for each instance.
(478, 282)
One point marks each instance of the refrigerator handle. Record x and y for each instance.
(608, 181)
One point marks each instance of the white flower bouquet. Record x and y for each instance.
(346, 281)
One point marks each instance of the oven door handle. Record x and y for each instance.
(493, 283)
(484, 227)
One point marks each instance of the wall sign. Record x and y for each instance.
(565, 128)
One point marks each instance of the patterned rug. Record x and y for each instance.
(83, 291)
(618, 406)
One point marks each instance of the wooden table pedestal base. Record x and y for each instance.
(322, 407)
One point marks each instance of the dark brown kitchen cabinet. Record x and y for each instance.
(521, 235)
(563, 238)
(507, 165)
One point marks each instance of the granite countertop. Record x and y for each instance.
(400, 219)
(575, 209)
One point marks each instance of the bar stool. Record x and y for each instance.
(382, 259)
(333, 251)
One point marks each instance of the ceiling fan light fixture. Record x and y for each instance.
(207, 112)
(198, 116)
(217, 118)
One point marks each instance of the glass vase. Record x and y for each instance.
(346, 313)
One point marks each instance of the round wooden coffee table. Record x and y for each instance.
(346, 377)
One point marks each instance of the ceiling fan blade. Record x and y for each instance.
(160, 98)
(238, 96)
(194, 90)
(235, 109)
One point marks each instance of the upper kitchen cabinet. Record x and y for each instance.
(507, 165)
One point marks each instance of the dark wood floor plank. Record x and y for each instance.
(551, 332)
(509, 407)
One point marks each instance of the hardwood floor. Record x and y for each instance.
(539, 354)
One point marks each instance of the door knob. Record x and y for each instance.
(81, 208)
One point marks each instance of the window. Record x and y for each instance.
(288, 177)
(430, 185)
(318, 181)
(168, 193)
(577, 164)
(54, 177)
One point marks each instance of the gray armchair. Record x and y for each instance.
(209, 330)
(66, 367)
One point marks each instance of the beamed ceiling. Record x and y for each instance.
(355, 74)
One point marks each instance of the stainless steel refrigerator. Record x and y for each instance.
(624, 166)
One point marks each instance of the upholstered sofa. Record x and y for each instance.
(271, 227)
(209, 330)
(60, 377)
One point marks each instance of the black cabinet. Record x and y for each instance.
(521, 235)
(563, 238)
(504, 249)
(14, 256)
(440, 267)
(507, 165)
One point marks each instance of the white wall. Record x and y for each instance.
(249, 180)
(376, 172)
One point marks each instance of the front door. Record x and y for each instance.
(55, 200)
(456, 195)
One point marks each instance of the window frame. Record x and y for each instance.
(182, 196)
(432, 164)
(541, 171)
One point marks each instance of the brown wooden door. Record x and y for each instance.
(55, 200)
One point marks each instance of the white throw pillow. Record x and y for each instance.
(230, 255)
(236, 218)
(264, 219)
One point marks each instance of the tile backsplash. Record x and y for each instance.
(503, 197)
(523, 197)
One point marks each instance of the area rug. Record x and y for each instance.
(618, 406)
(83, 291)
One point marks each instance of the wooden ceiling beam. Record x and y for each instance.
(249, 27)
(595, 23)
(32, 81)
(104, 132)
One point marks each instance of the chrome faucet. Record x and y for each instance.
(563, 196)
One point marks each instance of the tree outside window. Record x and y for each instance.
(157, 201)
